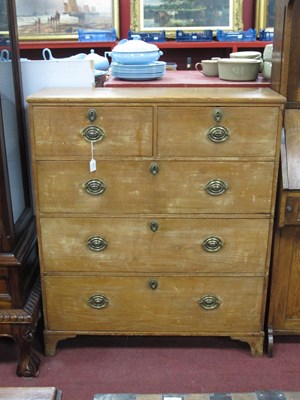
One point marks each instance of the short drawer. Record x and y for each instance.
(241, 131)
(116, 131)
(153, 304)
(155, 187)
(157, 244)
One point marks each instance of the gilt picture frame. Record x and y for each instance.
(186, 15)
(265, 15)
(61, 19)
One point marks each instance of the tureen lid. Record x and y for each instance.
(136, 45)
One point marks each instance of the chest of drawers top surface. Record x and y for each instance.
(199, 95)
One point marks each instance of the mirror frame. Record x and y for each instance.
(15, 230)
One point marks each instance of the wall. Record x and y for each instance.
(179, 55)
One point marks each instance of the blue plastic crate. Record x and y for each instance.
(205, 36)
(97, 36)
(149, 37)
(4, 40)
(266, 35)
(237, 36)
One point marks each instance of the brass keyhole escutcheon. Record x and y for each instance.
(154, 226)
(154, 168)
(218, 114)
(92, 115)
(153, 284)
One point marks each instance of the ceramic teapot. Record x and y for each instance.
(100, 63)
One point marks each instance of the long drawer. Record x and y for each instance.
(151, 245)
(155, 187)
(193, 131)
(122, 131)
(153, 304)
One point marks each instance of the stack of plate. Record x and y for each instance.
(141, 72)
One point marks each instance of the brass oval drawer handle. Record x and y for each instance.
(218, 134)
(153, 284)
(98, 301)
(94, 186)
(216, 187)
(154, 169)
(212, 244)
(93, 133)
(97, 243)
(209, 302)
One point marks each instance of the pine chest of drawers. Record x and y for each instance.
(170, 232)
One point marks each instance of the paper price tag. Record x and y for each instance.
(93, 165)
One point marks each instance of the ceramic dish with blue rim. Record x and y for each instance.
(138, 72)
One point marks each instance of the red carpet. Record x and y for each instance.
(85, 366)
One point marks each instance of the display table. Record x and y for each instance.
(186, 79)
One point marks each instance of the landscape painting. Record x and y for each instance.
(61, 19)
(187, 15)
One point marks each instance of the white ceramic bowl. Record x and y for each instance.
(238, 69)
(268, 52)
(267, 69)
(246, 54)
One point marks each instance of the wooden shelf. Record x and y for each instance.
(172, 44)
(64, 44)
(177, 52)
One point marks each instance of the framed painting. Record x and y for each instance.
(265, 14)
(61, 19)
(186, 15)
(4, 35)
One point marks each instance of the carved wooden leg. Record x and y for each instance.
(256, 344)
(21, 324)
(29, 361)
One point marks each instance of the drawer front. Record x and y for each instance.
(153, 304)
(123, 131)
(153, 245)
(292, 210)
(172, 187)
(191, 131)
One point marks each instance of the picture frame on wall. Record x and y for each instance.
(265, 15)
(61, 19)
(186, 15)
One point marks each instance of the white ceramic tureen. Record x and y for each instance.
(134, 52)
